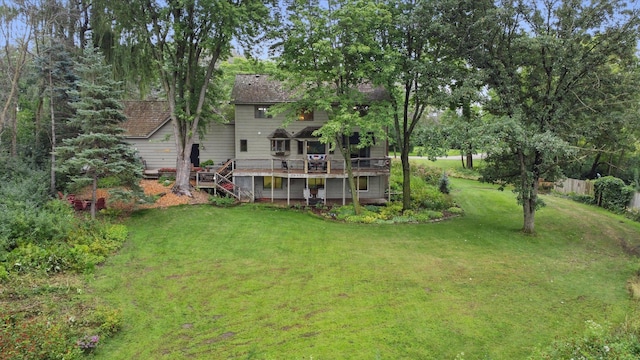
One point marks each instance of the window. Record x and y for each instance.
(244, 146)
(315, 147)
(261, 112)
(362, 183)
(305, 115)
(268, 180)
(280, 146)
(316, 182)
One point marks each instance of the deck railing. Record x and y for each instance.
(327, 165)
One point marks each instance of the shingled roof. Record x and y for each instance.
(261, 89)
(258, 89)
(145, 117)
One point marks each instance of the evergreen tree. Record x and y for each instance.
(98, 150)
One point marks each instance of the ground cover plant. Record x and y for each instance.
(45, 247)
(260, 282)
(430, 199)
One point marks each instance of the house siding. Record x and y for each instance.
(257, 130)
(159, 150)
(217, 143)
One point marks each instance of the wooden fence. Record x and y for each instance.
(635, 201)
(580, 187)
(585, 187)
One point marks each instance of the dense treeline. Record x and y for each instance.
(545, 88)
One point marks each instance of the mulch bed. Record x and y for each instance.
(152, 187)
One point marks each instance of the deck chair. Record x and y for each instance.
(322, 193)
(285, 165)
(100, 204)
(79, 205)
(306, 193)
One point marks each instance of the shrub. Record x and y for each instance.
(454, 210)
(222, 201)
(444, 186)
(390, 211)
(88, 343)
(428, 215)
(428, 174)
(206, 163)
(585, 199)
(428, 197)
(4, 274)
(342, 212)
(612, 193)
(117, 233)
(633, 214)
(35, 339)
(85, 246)
(108, 320)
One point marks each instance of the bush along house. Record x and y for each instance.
(257, 157)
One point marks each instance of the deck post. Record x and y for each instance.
(288, 190)
(273, 180)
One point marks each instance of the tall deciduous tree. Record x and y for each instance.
(542, 60)
(99, 150)
(185, 40)
(330, 55)
(420, 71)
(614, 125)
(16, 33)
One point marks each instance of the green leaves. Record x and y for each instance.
(99, 149)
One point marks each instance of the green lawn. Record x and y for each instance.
(253, 282)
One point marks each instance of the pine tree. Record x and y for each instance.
(99, 149)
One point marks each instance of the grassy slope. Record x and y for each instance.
(250, 282)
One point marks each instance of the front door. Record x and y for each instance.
(195, 155)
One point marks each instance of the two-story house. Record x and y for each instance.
(258, 157)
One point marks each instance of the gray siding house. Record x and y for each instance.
(148, 129)
(257, 157)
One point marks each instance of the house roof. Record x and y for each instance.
(144, 118)
(306, 133)
(279, 133)
(262, 89)
(258, 89)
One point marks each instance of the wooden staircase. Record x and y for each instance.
(222, 181)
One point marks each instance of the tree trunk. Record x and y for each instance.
(94, 191)
(355, 200)
(529, 201)
(528, 193)
(13, 95)
(592, 174)
(469, 160)
(406, 178)
(346, 155)
(182, 186)
(529, 211)
(52, 185)
(14, 133)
